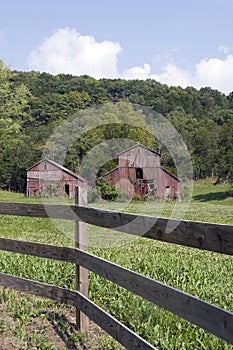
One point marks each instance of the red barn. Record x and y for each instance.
(139, 171)
(50, 178)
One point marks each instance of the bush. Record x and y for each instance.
(107, 191)
(123, 195)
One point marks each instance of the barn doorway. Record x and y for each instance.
(139, 173)
(67, 189)
(167, 193)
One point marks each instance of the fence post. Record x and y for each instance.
(81, 242)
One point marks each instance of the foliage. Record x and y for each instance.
(123, 194)
(107, 191)
(33, 104)
(51, 190)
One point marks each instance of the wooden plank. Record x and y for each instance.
(81, 241)
(210, 317)
(37, 288)
(121, 333)
(55, 211)
(214, 237)
(205, 315)
(208, 236)
(38, 249)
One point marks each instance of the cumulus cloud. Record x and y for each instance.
(137, 72)
(67, 51)
(214, 72)
(172, 75)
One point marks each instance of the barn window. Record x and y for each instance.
(139, 173)
(45, 166)
(67, 189)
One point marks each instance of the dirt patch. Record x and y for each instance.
(48, 328)
(9, 344)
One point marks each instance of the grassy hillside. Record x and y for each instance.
(31, 322)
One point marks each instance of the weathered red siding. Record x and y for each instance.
(139, 172)
(46, 173)
(139, 156)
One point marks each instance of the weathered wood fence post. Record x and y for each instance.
(81, 242)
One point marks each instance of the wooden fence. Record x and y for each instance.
(214, 237)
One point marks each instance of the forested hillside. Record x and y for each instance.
(32, 104)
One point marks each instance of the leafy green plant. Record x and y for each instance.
(123, 194)
(107, 343)
(107, 191)
(204, 274)
(2, 325)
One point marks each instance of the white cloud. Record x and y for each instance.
(216, 73)
(137, 72)
(172, 75)
(67, 51)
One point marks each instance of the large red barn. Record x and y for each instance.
(48, 177)
(139, 171)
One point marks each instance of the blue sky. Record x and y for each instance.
(177, 42)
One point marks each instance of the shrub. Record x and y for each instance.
(123, 195)
(107, 191)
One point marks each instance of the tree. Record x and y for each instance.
(14, 115)
(225, 166)
(34, 104)
(205, 152)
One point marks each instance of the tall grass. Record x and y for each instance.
(204, 274)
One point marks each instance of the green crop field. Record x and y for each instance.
(32, 323)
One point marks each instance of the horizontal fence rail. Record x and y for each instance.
(121, 333)
(207, 236)
(212, 318)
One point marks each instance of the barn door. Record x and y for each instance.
(67, 189)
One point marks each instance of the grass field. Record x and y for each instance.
(32, 322)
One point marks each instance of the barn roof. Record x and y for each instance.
(76, 176)
(151, 150)
(134, 146)
(110, 171)
(142, 146)
(166, 171)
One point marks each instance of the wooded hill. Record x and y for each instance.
(32, 104)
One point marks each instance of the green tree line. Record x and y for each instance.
(33, 104)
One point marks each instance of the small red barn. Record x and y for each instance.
(49, 178)
(139, 171)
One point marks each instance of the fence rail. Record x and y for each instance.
(218, 238)
(202, 235)
(107, 322)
